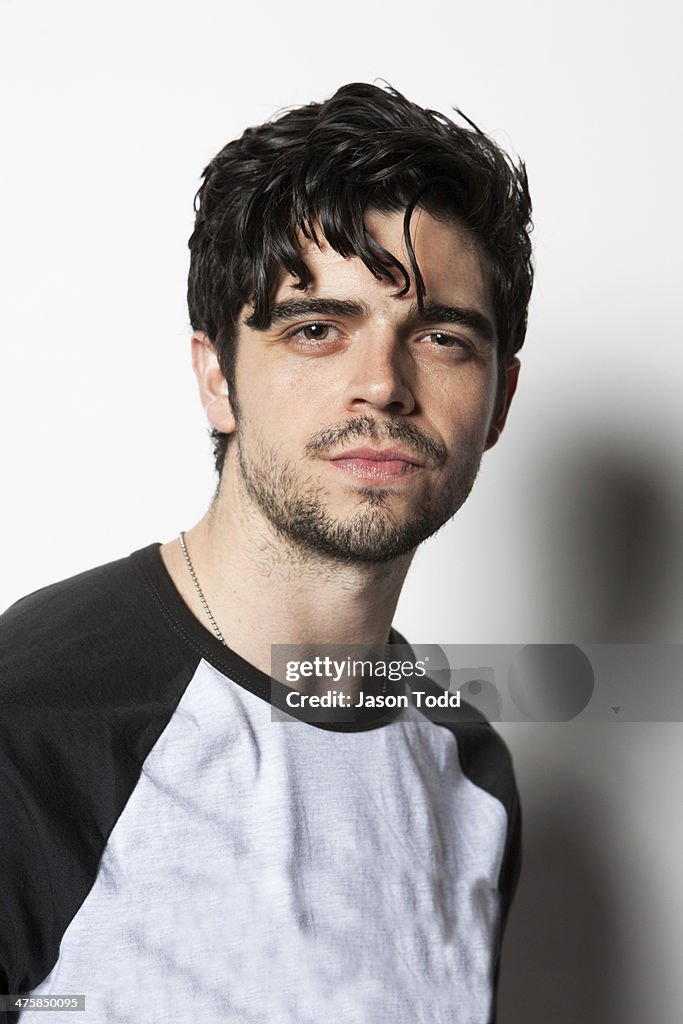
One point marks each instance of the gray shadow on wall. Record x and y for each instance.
(609, 569)
(562, 952)
(612, 562)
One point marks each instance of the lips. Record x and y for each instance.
(375, 455)
(374, 464)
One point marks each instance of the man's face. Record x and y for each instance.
(361, 424)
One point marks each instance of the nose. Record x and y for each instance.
(379, 375)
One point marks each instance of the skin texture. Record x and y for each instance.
(314, 527)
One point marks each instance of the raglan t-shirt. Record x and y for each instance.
(174, 851)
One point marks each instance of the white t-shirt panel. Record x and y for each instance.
(272, 871)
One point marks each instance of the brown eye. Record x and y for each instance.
(446, 340)
(315, 332)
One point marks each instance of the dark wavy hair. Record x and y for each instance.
(319, 168)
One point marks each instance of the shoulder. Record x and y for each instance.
(482, 752)
(90, 673)
(486, 761)
(43, 622)
(80, 631)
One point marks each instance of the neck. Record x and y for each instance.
(263, 589)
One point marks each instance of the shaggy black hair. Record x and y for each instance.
(318, 169)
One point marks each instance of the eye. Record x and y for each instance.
(314, 332)
(444, 340)
(315, 335)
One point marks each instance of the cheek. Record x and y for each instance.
(272, 415)
(272, 386)
(290, 406)
(469, 406)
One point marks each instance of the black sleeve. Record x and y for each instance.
(90, 673)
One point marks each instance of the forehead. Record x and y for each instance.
(450, 259)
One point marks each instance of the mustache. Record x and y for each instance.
(366, 427)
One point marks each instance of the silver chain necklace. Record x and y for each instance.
(199, 590)
(205, 604)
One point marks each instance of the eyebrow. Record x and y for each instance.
(460, 315)
(432, 313)
(282, 311)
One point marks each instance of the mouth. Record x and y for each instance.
(381, 465)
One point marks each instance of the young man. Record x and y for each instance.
(172, 847)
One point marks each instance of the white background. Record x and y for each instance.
(572, 533)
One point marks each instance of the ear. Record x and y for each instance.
(496, 428)
(213, 387)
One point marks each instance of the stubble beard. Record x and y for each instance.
(297, 508)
